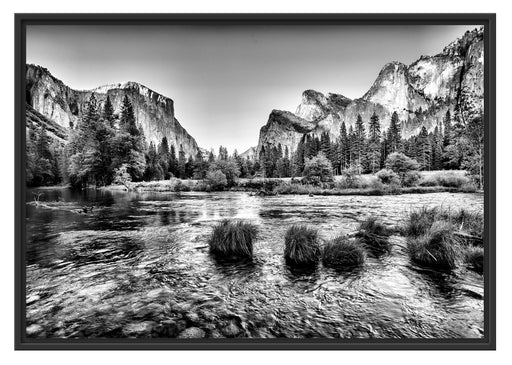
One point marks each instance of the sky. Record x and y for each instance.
(225, 80)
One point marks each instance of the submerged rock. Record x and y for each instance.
(139, 329)
(168, 328)
(192, 332)
(32, 299)
(34, 329)
(231, 330)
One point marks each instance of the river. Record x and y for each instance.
(138, 265)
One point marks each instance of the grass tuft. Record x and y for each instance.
(233, 239)
(474, 257)
(301, 246)
(343, 253)
(374, 236)
(436, 248)
(420, 220)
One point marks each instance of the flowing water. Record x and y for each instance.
(138, 265)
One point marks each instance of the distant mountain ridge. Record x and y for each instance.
(50, 97)
(420, 93)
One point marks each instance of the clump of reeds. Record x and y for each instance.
(233, 239)
(437, 247)
(474, 257)
(343, 253)
(301, 246)
(420, 220)
(374, 236)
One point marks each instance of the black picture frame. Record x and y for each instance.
(486, 343)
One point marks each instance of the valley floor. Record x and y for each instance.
(367, 184)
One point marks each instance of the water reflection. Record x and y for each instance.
(138, 266)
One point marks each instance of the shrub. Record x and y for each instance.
(474, 257)
(395, 189)
(301, 245)
(452, 181)
(296, 189)
(436, 248)
(468, 188)
(388, 177)
(260, 183)
(121, 175)
(343, 253)
(377, 185)
(216, 180)
(401, 164)
(410, 178)
(351, 178)
(181, 187)
(318, 169)
(374, 236)
(233, 239)
(447, 179)
(428, 180)
(229, 169)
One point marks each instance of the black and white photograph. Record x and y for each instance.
(254, 181)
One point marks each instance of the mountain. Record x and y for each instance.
(35, 119)
(63, 106)
(250, 153)
(420, 93)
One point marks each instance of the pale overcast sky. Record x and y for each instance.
(224, 80)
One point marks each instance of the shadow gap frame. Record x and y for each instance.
(488, 20)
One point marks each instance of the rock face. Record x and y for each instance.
(420, 93)
(37, 120)
(64, 106)
(250, 153)
(285, 128)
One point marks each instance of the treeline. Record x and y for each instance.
(453, 145)
(105, 148)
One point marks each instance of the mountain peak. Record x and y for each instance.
(460, 46)
(63, 105)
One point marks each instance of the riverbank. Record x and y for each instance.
(366, 185)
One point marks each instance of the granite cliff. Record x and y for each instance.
(62, 105)
(420, 93)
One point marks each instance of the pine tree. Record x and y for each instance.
(374, 151)
(108, 112)
(127, 118)
(173, 162)
(90, 117)
(473, 159)
(223, 153)
(437, 150)
(182, 160)
(298, 159)
(287, 163)
(447, 138)
(424, 156)
(153, 167)
(359, 144)
(344, 147)
(352, 143)
(163, 157)
(211, 157)
(394, 136)
(130, 142)
(200, 166)
(85, 160)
